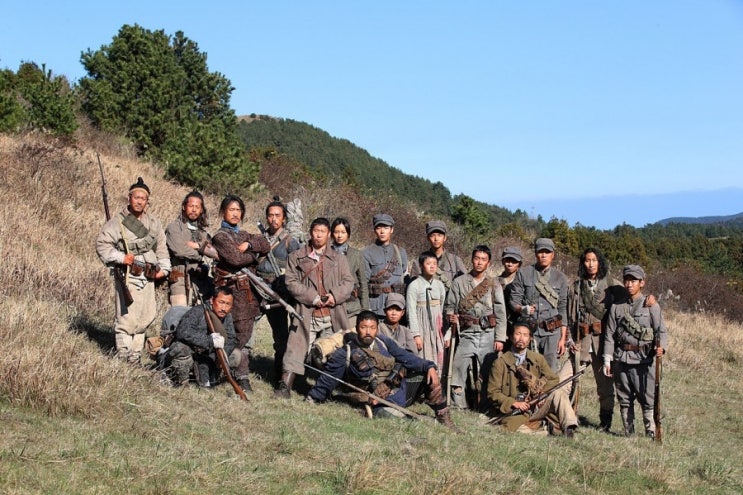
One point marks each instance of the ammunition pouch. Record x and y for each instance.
(551, 324)
(174, 275)
(488, 321)
(149, 270)
(585, 329)
(377, 290)
(154, 344)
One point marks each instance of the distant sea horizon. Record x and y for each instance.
(609, 211)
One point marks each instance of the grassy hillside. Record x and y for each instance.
(77, 421)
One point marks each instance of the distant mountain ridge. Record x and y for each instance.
(732, 219)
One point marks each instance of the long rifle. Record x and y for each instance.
(118, 275)
(656, 402)
(450, 364)
(221, 355)
(536, 400)
(405, 411)
(261, 285)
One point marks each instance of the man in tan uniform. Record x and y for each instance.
(134, 241)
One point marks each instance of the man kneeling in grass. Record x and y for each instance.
(377, 364)
(521, 375)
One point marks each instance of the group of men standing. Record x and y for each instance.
(325, 290)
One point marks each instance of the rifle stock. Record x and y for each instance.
(539, 398)
(656, 402)
(221, 355)
(115, 270)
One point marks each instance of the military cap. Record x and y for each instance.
(383, 219)
(435, 226)
(139, 185)
(512, 252)
(634, 271)
(544, 243)
(395, 299)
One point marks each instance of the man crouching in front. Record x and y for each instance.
(377, 364)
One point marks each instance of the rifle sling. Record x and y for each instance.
(546, 290)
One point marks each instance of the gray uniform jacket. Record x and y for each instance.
(383, 274)
(492, 302)
(524, 291)
(622, 344)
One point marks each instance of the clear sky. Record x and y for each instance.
(538, 105)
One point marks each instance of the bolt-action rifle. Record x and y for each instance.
(221, 355)
(261, 285)
(536, 400)
(656, 402)
(377, 398)
(115, 270)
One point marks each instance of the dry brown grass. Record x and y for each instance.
(78, 421)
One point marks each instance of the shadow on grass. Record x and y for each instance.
(101, 334)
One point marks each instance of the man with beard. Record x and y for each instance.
(377, 364)
(519, 376)
(188, 242)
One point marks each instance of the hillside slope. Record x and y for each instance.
(77, 421)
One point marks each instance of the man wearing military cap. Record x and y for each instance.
(386, 264)
(541, 292)
(629, 349)
(511, 259)
(134, 241)
(450, 265)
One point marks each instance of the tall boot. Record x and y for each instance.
(649, 422)
(605, 416)
(285, 385)
(628, 420)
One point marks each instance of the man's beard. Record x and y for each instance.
(366, 341)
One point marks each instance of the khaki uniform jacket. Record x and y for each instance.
(303, 283)
(504, 385)
(111, 251)
(524, 291)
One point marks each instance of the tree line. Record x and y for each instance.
(156, 90)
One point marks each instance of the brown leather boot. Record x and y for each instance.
(285, 385)
(443, 417)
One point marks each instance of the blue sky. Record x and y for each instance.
(595, 112)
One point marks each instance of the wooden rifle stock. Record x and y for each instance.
(450, 364)
(118, 275)
(656, 402)
(221, 355)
